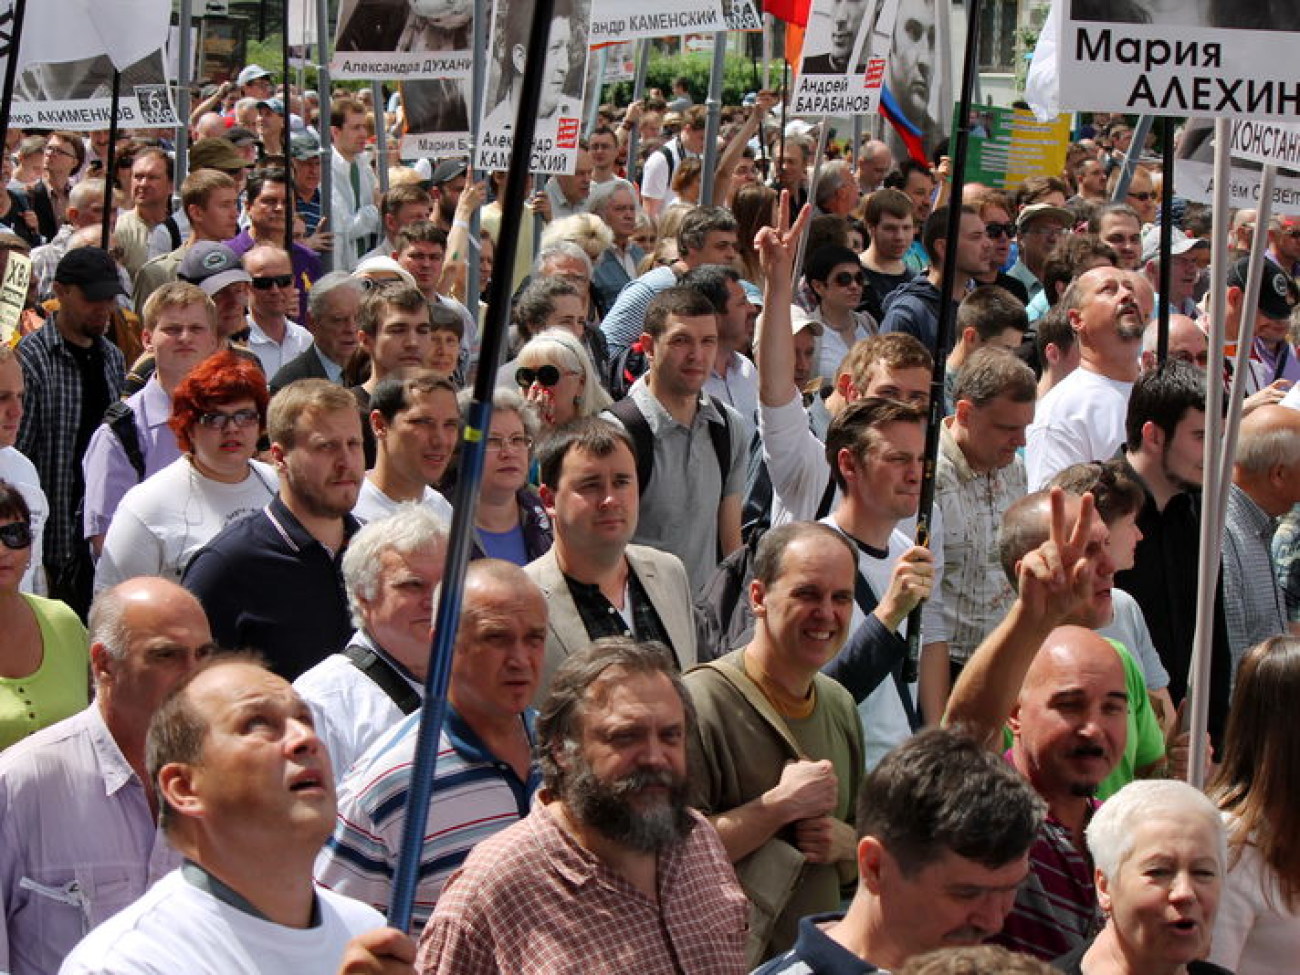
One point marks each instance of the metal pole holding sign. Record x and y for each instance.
(473, 450)
(802, 246)
(638, 91)
(323, 123)
(1140, 133)
(943, 335)
(477, 83)
(1198, 678)
(111, 161)
(289, 194)
(381, 134)
(714, 122)
(1166, 237)
(11, 68)
(184, 80)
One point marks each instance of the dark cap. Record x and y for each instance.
(304, 145)
(447, 170)
(1277, 291)
(217, 153)
(93, 271)
(211, 266)
(239, 136)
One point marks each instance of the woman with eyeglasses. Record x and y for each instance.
(836, 277)
(218, 413)
(555, 374)
(510, 522)
(43, 658)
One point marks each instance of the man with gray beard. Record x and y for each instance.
(610, 871)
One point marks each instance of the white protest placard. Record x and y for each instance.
(844, 57)
(437, 118)
(69, 51)
(741, 15)
(1194, 172)
(559, 110)
(13, 293)
(431, 39)
(630, 20)
(1216, 58)
(1270, 143)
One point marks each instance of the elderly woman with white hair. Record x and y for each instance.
(1160, 853)
(555, 374)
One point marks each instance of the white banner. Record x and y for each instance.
(1194, 173)
(78, 95)
(844, 57)
(62, 31)
(1215, 58)
(437, 119)
(630, 20)
(1266, 142)
(741, 15)
(559, 112)
(432, 40)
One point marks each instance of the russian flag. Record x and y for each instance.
(791, 11)
(907, 131)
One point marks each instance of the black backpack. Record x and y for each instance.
(638, 428)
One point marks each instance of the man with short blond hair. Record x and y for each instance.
(180, 331)
(272, 580)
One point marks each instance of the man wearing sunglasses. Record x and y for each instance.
(267, 208)
(995, 210)
(1284, 243)
(274, 339)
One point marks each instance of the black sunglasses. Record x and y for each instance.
(546, 375)
(846, 278)
(16, 535)
(273, 281)
(997, 231)
(1144, 197)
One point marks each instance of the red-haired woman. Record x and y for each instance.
(218, 413)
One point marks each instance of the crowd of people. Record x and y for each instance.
(686, 728)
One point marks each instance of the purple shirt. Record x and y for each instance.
(77, 840)
(108, 471)
(306, 267)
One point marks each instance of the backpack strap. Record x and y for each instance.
(173, 231)
(120, 418)
(866, 598)
(638, 428)
(385, 675)
(720, 435)
(828, 499)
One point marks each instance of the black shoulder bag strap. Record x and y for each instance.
(865, 597)
(382, 673)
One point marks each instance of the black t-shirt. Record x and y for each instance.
(95, 395)
(1072, 963)
(879, 285)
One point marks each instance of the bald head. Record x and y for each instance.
(146, 635)
(1267, 465)
(1186, 341)
(1071, 716)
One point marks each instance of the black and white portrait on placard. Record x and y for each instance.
(406, 39)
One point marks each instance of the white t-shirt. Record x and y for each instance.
(165, 519)
(1081, 419)
(21, 473)
(176, 927)
(373, 503)
(884, 719)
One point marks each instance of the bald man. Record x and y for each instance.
(77, 811)
(1069, 699)
(1265, 486)
(1186, 341)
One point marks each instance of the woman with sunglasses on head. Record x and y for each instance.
(43, 658)
(218, 414)
(555, 374)
(510, 521)
(836, 277)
